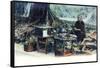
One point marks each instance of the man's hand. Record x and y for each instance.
(77, 29)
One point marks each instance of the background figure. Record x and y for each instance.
(80, 29)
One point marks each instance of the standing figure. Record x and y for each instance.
(79, 29)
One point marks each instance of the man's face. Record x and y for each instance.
(80, 18)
